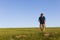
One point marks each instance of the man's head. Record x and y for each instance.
(41, 14)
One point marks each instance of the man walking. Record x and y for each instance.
(42, 22)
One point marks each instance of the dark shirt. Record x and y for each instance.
(41, 20)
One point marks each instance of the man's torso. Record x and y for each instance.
(41, 20)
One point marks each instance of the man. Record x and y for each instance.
(42, 22)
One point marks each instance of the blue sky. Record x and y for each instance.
(25, 13)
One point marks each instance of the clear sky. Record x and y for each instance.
(25, 13)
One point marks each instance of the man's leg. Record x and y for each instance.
(41, 28)
(44, 27)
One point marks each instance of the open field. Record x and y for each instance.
(28, 34)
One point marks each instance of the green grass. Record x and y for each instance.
(26, 33)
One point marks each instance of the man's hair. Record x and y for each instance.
(41, 13)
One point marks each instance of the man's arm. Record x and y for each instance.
(44, 20)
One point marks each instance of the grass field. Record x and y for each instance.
(28, 34)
